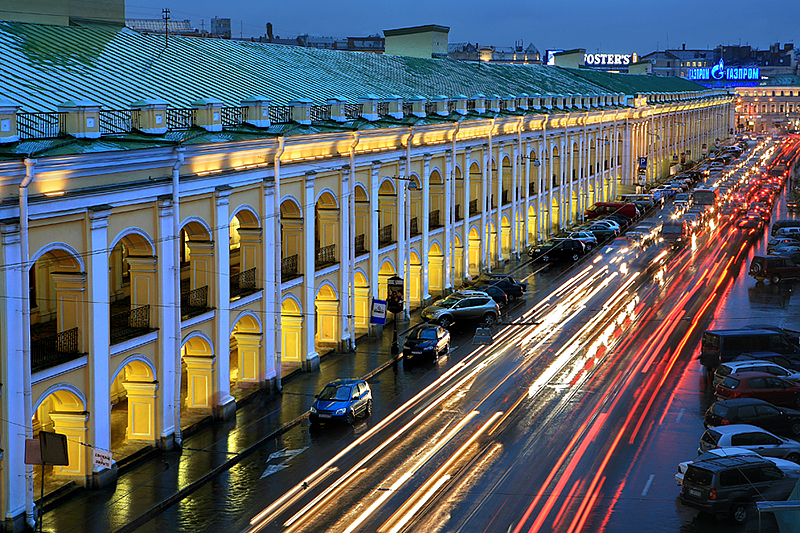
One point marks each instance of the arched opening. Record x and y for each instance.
(592, 157)
(458, 262)
(326, 306)
(386, 271)
(505, 238)
(553, 221)
(326, 229)
(555, 166)
(197, 383)
(133, 408)
(63, 411)
(132, 285)
(291, 239)
(246, 368)
(474, 252)
(491, 238)
(291, 336)
(415, 193)
(363, 220)
(197, 269)
(415, 281)
(532, 224)
(519, 229)
(437, 214)
(58, 321)
(493, 183)
(507, 177)
(362, 304)
(387, 213)
(245, 254)
(476, 193)
(435, 270)
(459, 199)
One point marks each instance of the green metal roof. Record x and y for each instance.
(637, 83)
(42, 66)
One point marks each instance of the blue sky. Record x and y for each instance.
(612, 26)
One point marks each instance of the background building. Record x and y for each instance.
(772, 106)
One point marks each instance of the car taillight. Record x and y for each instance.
(712, 494)
(724, 422)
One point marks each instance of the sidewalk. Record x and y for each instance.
(152, 481)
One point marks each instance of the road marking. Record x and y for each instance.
(680, 415)
(647, 485)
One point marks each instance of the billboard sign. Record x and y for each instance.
(720, 72)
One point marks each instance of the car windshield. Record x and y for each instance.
(424, 334)
(449, 302)
(335, 392)
(730, 382)
(719, 410)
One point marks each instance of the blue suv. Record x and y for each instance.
(343, 399)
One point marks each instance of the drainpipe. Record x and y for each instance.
(407, 229)
(278, 256)
(351, 221)
(452, 214)
(176, 261)
(30, 167)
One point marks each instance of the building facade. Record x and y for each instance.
(771, 107)
(164, 256)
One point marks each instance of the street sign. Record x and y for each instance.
(642, 162)
(101, 458)
(378, 315)
(394, 300)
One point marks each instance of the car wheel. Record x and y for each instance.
(795, 428)
(739, 512)
(445, 321)
(546, 258)
(368, 409)
(575, 257)
(489, 319)
(797, 401)
(351, 418)
(793, 457)
(589, 247)
(775, 279)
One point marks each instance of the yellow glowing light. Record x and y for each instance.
(54, 193)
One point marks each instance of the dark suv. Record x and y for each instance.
(463, 305)
(774, 268)
(558, 249)
(727, 486)
(756, 412)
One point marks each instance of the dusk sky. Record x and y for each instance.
(619, 26)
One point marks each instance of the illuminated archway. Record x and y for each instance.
(291, 335)
(246, 368)
(435, 270)
(474, 252)
(62, 409)
(327, 322)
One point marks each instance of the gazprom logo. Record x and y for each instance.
(720, 72)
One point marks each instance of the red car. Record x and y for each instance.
(759, 385)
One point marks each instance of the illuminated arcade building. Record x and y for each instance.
(184, 225)
(772, 106)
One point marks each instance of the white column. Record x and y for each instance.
(226, 404)
(465, 208)
(11, 371)
(486, 201)
(448, 248)
(309, 271)
(569, 166)
(402, 223)
(373, 186)
(498, 232)
(345, 267)
(272, 287)
(516, 183)
(169, 312)
(99, 331)
(426, 209)
(527, 204)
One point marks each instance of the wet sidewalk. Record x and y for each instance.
(155, 480)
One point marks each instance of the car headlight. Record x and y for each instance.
(313, 409)
(340, 411)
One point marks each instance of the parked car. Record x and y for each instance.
(727, 486)
(783, 464)
(760, 385)
(774, 268)
(786, 361)
(498, 295)
(601, 232)
(756, 412)
(509, 277)
(558, 249)
(774, 242)
(343, 399)
(753, 365)
(463, 305)
(587, 238)
(606, 208)
(426, 342)
(750, 437)
(721, 346)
